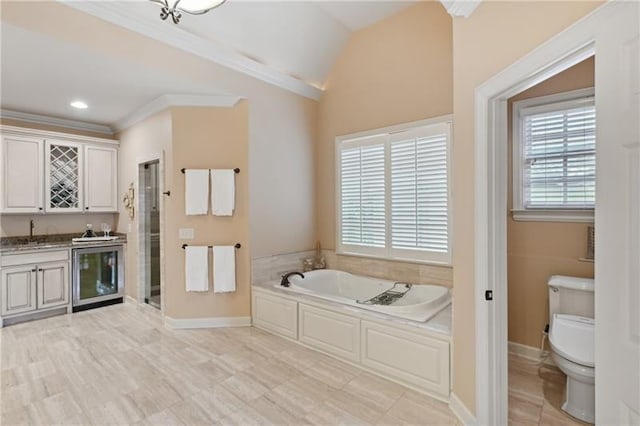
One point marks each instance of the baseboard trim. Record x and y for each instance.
(461, 411)
(530, 352)
(129, 299)
(182, 323)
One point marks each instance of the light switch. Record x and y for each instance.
(186, 234)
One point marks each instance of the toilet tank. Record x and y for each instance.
(571, 296)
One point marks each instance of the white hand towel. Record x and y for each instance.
(196, 192)
(224, 269)
(196, 268)
(223, 192)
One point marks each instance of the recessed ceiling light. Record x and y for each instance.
(79, 105)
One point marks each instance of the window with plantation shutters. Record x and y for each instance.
(363, 195)
(393, 193)
(554, 157)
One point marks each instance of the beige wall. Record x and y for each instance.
(18, 224)
(282, 125)
(537, 250)
(493, 37)
(140, 143)
(396, 71)
(208, 138)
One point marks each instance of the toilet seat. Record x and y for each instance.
(572, 337)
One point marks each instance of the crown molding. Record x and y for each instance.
(54, 121)
(167, 101)
(176, 37)
(460, 8)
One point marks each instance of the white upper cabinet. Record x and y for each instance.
(49, 172)
(63, 176)
(22, 172)
(101, 178)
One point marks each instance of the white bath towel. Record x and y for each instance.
(223, 192)
(196, 268)
(196, 191)
(224, 269)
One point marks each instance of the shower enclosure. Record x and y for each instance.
(150, 231)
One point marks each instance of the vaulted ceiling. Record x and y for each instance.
(290, 44)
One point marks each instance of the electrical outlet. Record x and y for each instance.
(186, 234)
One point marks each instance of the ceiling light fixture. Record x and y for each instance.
(79, 105)
(174, 8)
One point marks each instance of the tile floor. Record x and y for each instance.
(119, 365)
(536, 393)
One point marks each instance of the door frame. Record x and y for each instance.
(140, 161)
(564, 50)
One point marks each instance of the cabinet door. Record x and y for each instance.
(101, 179)
(63, 176)
(53, 284)
(21, 177)
(18, 289)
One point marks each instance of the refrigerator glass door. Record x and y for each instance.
(98, 274)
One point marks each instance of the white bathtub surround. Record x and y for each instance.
(416, 273)
(419, 302)
(270, 268)
(415, 354)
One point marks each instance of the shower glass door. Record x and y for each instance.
(151, 218)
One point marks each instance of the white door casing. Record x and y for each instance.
(617, 221)
(559, 53)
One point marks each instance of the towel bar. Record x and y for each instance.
(237, 245)
(236, 170)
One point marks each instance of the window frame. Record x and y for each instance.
(558, 101)
(388, 252)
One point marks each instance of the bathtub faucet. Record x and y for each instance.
(285, 278)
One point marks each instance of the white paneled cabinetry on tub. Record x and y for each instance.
(413, 356)
(51, 172)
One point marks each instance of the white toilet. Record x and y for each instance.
(571, 335)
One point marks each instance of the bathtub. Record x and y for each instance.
(419, 303)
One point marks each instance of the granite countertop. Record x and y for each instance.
(41, 242)
(440, 323)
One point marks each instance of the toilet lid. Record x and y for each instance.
(571, 337)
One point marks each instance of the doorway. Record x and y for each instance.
(612, 34)
(149, 216)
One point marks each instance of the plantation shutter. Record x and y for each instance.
(419, 189)
(559, 156)
(362, 183)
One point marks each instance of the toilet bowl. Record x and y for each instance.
(572, 344)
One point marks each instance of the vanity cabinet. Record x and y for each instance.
(50, 172)
(33, 282)
(18, 289)
(21, 180)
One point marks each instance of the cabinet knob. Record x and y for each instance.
(86, 208)
(34, 270)
(39, 208)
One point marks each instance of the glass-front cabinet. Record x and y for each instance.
(63, 176)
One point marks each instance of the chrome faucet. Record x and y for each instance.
(285, 278)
